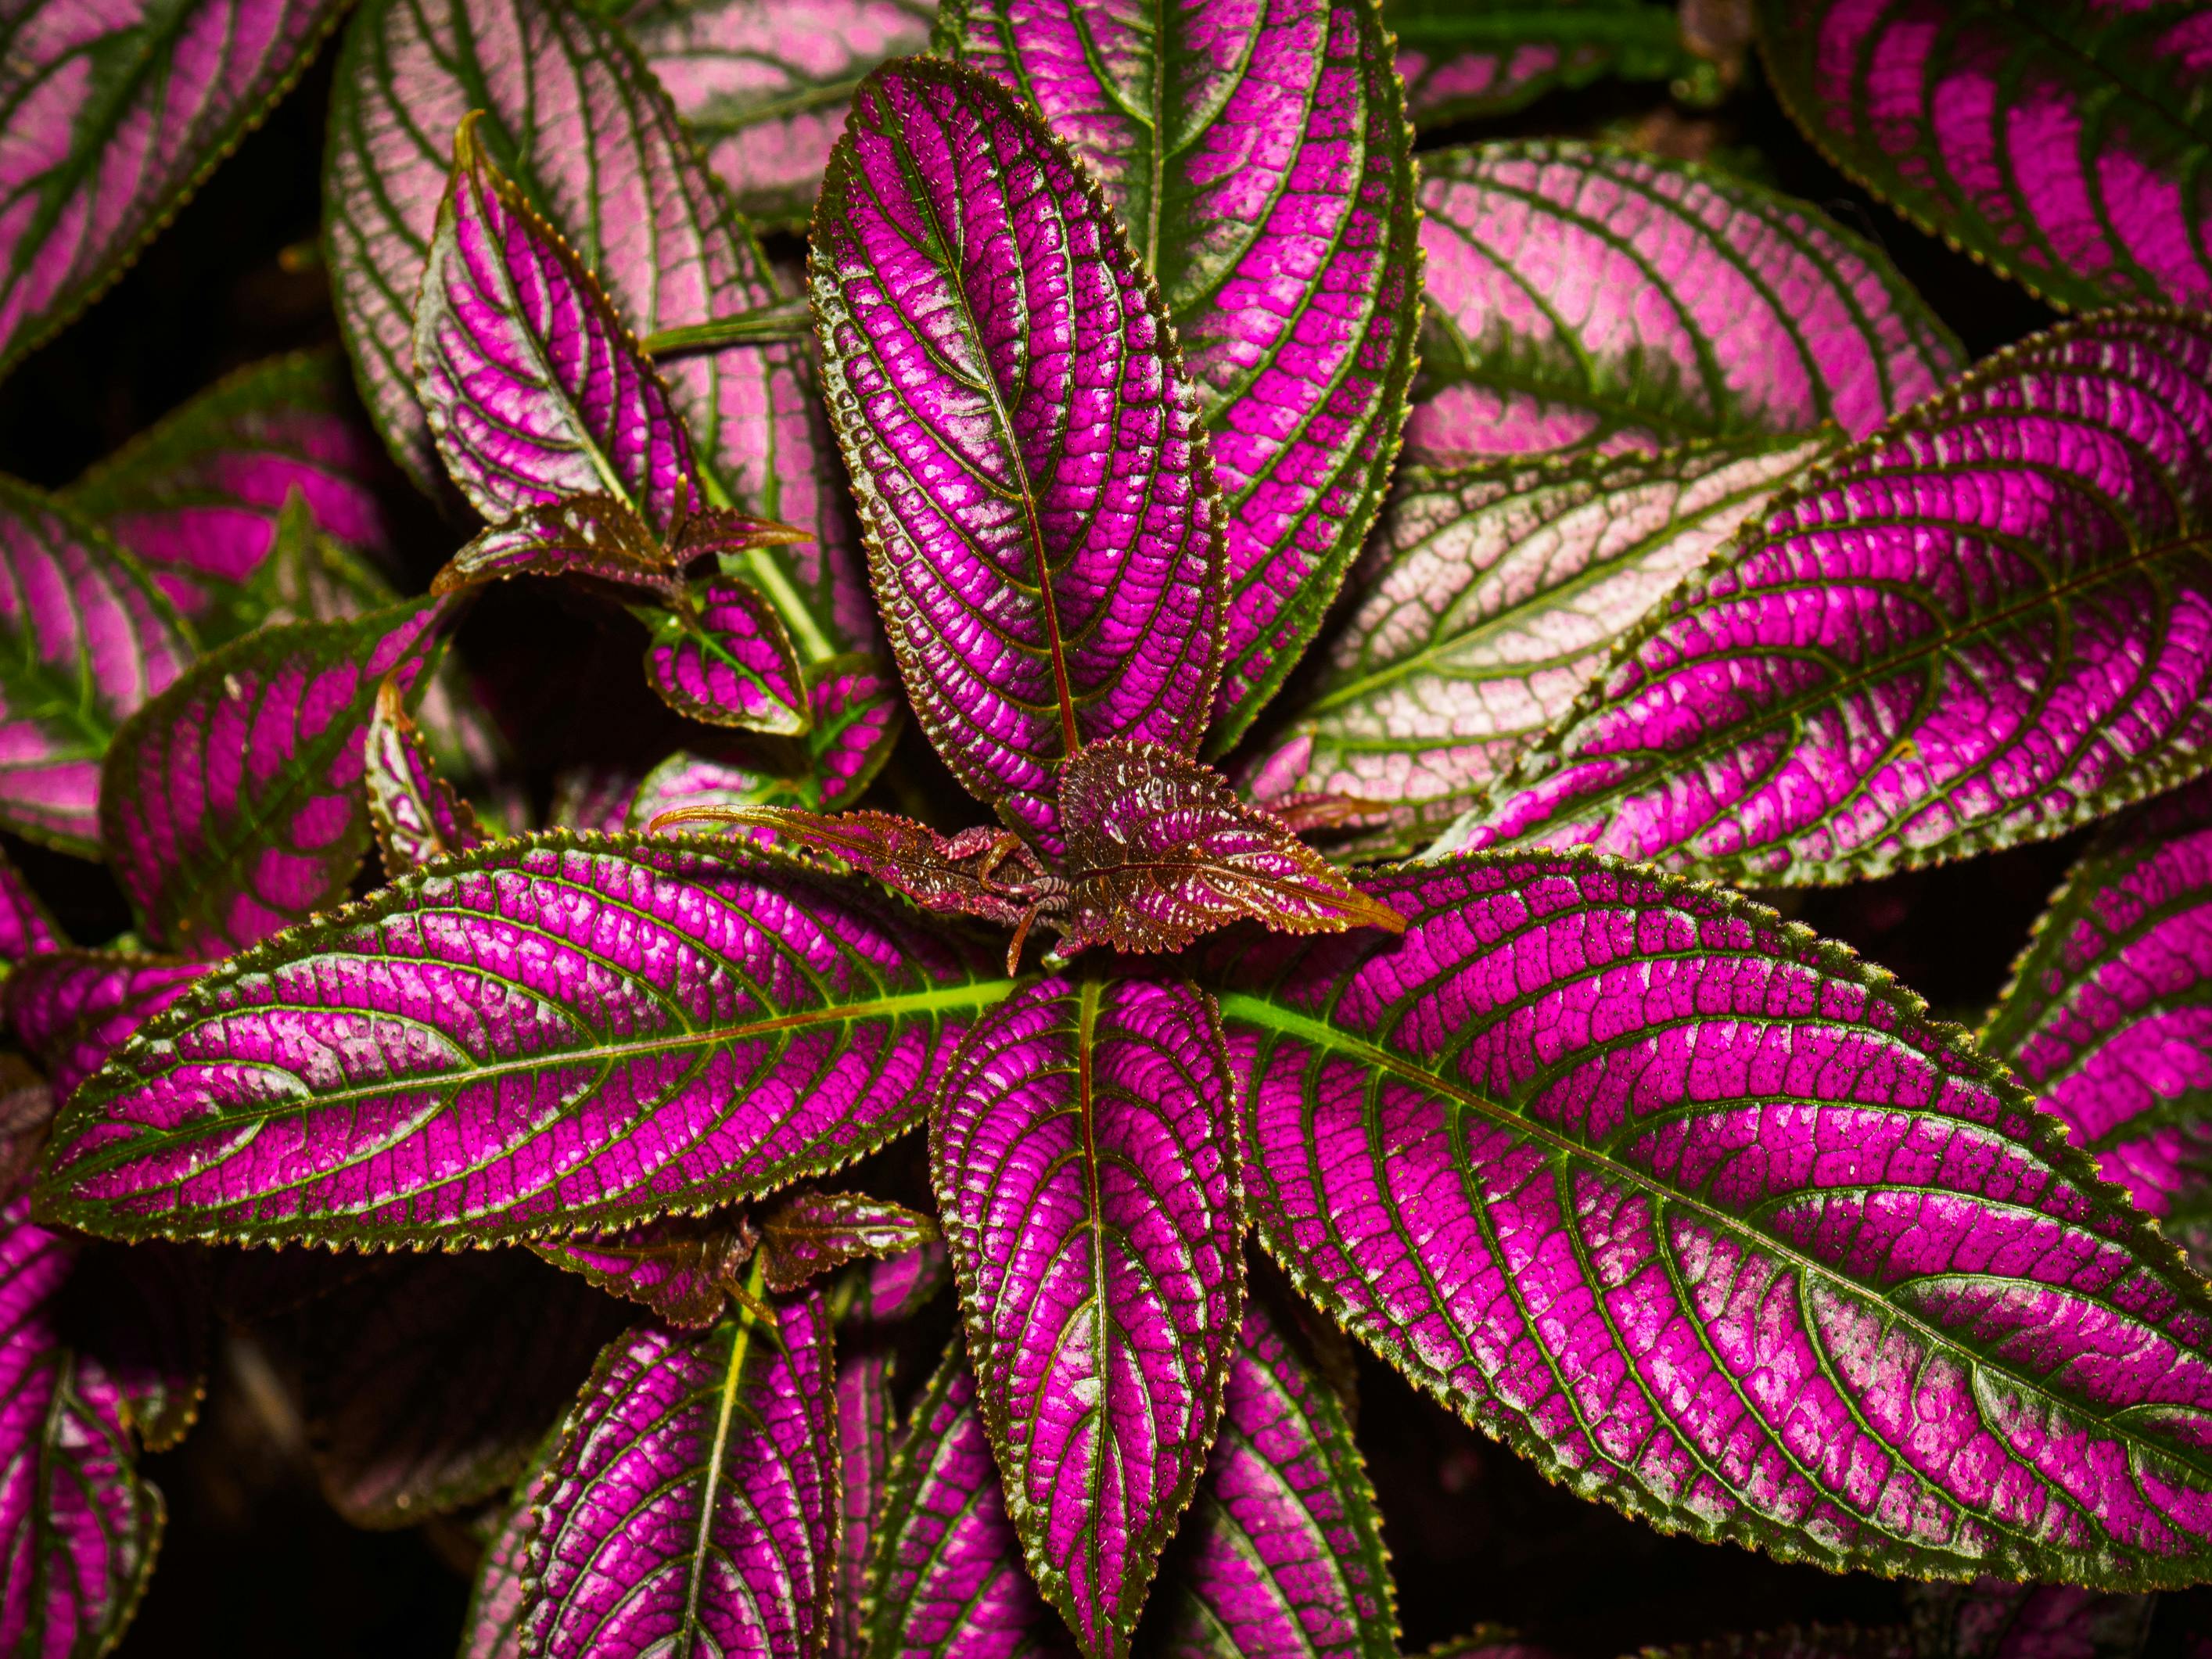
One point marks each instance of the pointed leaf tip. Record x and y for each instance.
(721, 656)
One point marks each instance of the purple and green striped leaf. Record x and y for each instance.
(867, 1420)
(1715, 1225)
(85, 639)
(2063, 143)
(2109, 1015)
(1467, 60)
(232, 807)
(557, 1033)
(115, 114)
(1988, 624)
(1579, 296)
(491, 1629)
(27, 928)
(1043, 528)
(72, 1009)
(721, 656)
(1086, 1173)
(1993, 1619)
(764, 84)
(691, 1507)
(1260, 161)
(416, 814)
(810, 1233)
(1488, 600)
(681, 1267)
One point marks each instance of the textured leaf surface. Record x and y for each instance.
(811, 1232)
(84, 640)
(1466, 60)
(2064, 144)
(680, 1267)
(2109, 1015)
(1488, 601)
(693, 1503)
(118, 112)
(1585, 296)
(26, 928)
(416, 813)
(1043, 530)
(73, 1009)
(1087, 1177)
(1717, 1226)
(723, 658)
(556, 1034)
(1260, 159)
(1986, 625)
(491, 1629)
(765, 84)
(232, 806)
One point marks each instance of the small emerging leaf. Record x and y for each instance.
(586, 534)
(682, 1268)
(417, 815)
(720, 656)
(810, 1233)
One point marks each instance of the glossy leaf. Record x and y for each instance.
(764, 83)
(416, 814)
(1488, 601)
(1580, 296)
(72, 1009)
(811, 1232)
(1043, 530)
(681, 1267)
(722, 657)
(1464, 60)
(1985, 626)
(2109, 1015)
(232, 806)
(196, 498)
(556, 1034)
(867, 1418)
(1717, 1226)
(692, 1506)
(1993, 1619)
(86, 639)
(117, 114)
(1087, 1182)
(26, 928)
(587, 534)
(2063, 143)
(1260, 159)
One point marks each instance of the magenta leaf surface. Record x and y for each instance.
(1580, 296)
(416, 814)
(1086, 1176)
(722, 657)
(197, 497)
(74, 1008)
(764, 83)
(1986, 625)
(1259, 158)
(1717, 1226)
(26, 928)
(867, 1416)
(1463, 62)
(692, 1504)
(1488, 600)
(554, 1034)
(681, 1267)
(232, 806)
(87, 638)
(118, 112)
(1043, 528)
(491, 1629)
(2064, 144)
(2109, 1015)
(808, 1233)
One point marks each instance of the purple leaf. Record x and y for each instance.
(78, 1528)
(1984, 626)
(416, 815)
(723, 658)
(764, 83)
(1464, 63)
(232, 806)
(1086, 1176)
(556, 1034)
(1283, 1551)
(2109, 1014)
(197, 497)
(1258, 157)
(1581, 296)
(26, 1110)
(588, 534)
(26, 928)
(74, 1008)
(945, 1579)
(692, 1506)
(94, 639)
(867, 1415)
(886, 1293)
(681, 1267)
(810, 1233)
(1993, 1619)
(1487, 601)
(2064, 144)
(492, 1626)
(1043, 528)
(1715, 1225)
(117, 114)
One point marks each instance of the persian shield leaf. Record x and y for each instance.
(553, 1035)
(811, 1232)
(1583, 296)
(1993, 1619)
(589, 534)
(73, 1008)
(722, 657)
(681, 1267)
(1717, 1226)
(2064, 144)
(2109, 1014)
(118, 112)
(1466, 60)
(232, 806)
(1043, 528)
(490, 1628)
(1489, 599)
(1988, 624)
(26, 928)
(692, 1504)
(1260, 159)
(416, 814)
(1087, 1177)
(85, 638)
